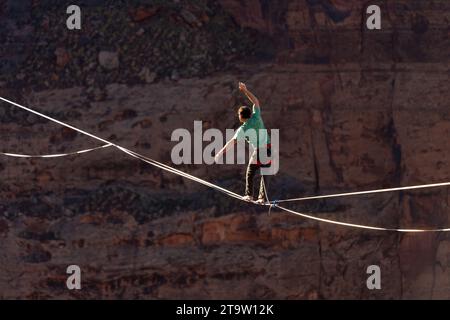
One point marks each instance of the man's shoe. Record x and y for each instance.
(247, 198)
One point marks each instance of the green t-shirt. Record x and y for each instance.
(257, 137)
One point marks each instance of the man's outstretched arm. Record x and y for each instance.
(224, 149)
(249, 95)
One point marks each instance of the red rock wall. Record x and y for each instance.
(356, 111)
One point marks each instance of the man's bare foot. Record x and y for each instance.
(247, 198)
(261, 201)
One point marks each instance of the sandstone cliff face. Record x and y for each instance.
(356, 110)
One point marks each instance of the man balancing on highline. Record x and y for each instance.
(254, 132)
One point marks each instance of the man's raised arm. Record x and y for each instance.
(249, 95)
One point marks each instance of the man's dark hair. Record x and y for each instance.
(245, 112)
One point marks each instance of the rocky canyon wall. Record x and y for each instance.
(356, 110)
